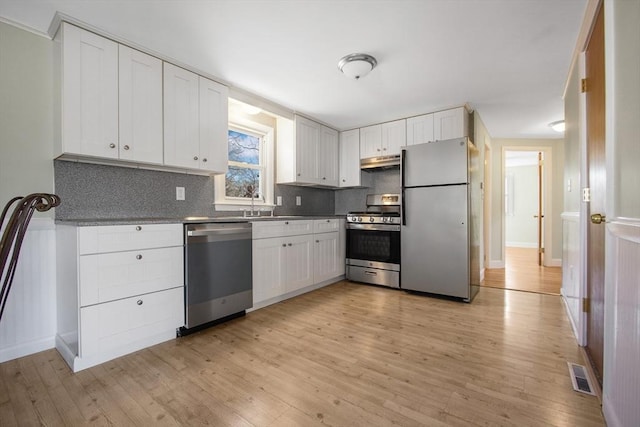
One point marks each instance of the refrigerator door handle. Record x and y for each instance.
(403, 157)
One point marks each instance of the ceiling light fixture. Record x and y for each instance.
(357, 65)
(558, 126)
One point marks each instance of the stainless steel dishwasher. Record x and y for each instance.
(218, 273)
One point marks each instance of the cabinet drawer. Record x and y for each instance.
(113, 238)
(123, 326)
(326, 225)
(266, 229)
(117, 275)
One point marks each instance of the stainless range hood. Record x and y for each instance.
(384, 162)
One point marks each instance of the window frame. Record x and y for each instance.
(224, 203)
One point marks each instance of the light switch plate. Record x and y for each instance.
(279, 200)
(298, 200)
(179, 193)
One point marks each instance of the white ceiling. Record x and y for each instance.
(508, 59)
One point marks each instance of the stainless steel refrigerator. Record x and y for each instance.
(441, 206)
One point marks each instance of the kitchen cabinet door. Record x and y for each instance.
(326, 256)
(450, 124)
(181, 121)
(328, 157)
(298, 262)
(214, 125)
(420, 129)
(371, 141)
(349, 159)
(89, 94)
(394, 136)
(268, 268)
(307, 140)
(140, 101)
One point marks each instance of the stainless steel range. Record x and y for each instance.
(373, 242)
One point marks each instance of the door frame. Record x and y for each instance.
(547, 200)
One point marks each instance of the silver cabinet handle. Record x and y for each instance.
(139, 302)
(204, 160)
(112, 145)
(288, 244)
(324, 177)
(195, 157)
(138, 228)
(344, 180)
(138, 256)
(284, 245)
(126, 147)
(317, 241)
(286, 223)
(328, 220)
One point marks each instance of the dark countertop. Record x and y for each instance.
(87, 222)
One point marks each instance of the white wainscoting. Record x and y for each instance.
(571, 268)
(28, 324)
(622, 325)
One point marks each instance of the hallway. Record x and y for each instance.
(522, 273)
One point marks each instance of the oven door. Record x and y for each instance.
(374, 245)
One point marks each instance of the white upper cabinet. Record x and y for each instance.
(420, 129)
(328, 157)
(195, 121)
(308, 154)
(89, 94)
(450, 124)
(307, 134)
(394, 136)
(383, 140)
(371, 141)
(181, 121)
(349, 159)
(140, 101)
(214, 125)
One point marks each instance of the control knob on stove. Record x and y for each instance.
(359, 219)
(371, 219)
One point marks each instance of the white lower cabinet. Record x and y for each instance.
(293, 263)
(119, 289)
(118, 327)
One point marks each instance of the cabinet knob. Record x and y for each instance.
(112, 145)
(138, 228)
(126, 147)
(344, 180)
(138, 256)
(324, 177)
(139, 302)
(288, 244)
(286, 223)
(317, 241)
(284, 245)
(384, 149)
(195, 157)
(298, 174)
(204, 160)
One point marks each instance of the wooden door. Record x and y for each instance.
(595, 108)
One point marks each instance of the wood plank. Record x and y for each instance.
(346, 354)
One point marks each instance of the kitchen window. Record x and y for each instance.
(250, 167)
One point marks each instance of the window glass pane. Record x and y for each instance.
(242, 182)
(244, 148)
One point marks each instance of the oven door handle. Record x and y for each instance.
(403, 159)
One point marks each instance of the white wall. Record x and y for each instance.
(26, 166)
(621, 386)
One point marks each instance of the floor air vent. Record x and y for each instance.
(580, 378)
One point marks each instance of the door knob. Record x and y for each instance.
(598, 218)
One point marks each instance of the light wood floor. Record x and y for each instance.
(345, 355)
(522, 273)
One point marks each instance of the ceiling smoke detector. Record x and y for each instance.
(357, 65)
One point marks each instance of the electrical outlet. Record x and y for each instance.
(179, 193)
(279, 200)
(298, 200)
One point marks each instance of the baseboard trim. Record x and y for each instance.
(27, 348)
(280, 298)
(496, 264)
(555, 262)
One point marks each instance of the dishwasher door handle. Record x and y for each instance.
(218, 231)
